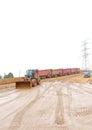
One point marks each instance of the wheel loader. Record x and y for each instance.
(33, 76)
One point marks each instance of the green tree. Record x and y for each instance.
(5, 76)
(0, 77)
(9, 75)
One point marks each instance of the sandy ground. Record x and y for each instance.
(53, 105)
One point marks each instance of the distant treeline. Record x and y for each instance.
(9, 75)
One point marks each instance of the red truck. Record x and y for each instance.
(77, 70)
(67, 71)
(60, 72)
(45, 73)
(74, 70)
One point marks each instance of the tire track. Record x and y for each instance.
(5, 93)
(63, 101)
(16, 122)
(21, 95)
(59, 113)
(25, 95)
(81, 90)
(84, 111)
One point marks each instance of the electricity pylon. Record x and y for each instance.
(85, 56)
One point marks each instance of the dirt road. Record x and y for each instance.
(52, 105)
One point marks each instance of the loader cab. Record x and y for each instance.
(29, 74)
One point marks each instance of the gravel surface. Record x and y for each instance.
(53, 105)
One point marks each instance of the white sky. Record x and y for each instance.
(43, 33)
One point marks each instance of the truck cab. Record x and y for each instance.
(86, 74)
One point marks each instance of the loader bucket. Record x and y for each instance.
(23, 84)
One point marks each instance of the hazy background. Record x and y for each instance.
(43, 34)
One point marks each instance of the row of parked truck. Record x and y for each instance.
(50, 73)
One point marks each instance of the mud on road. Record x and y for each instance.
(53, 105)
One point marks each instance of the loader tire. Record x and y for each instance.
(34, 84)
